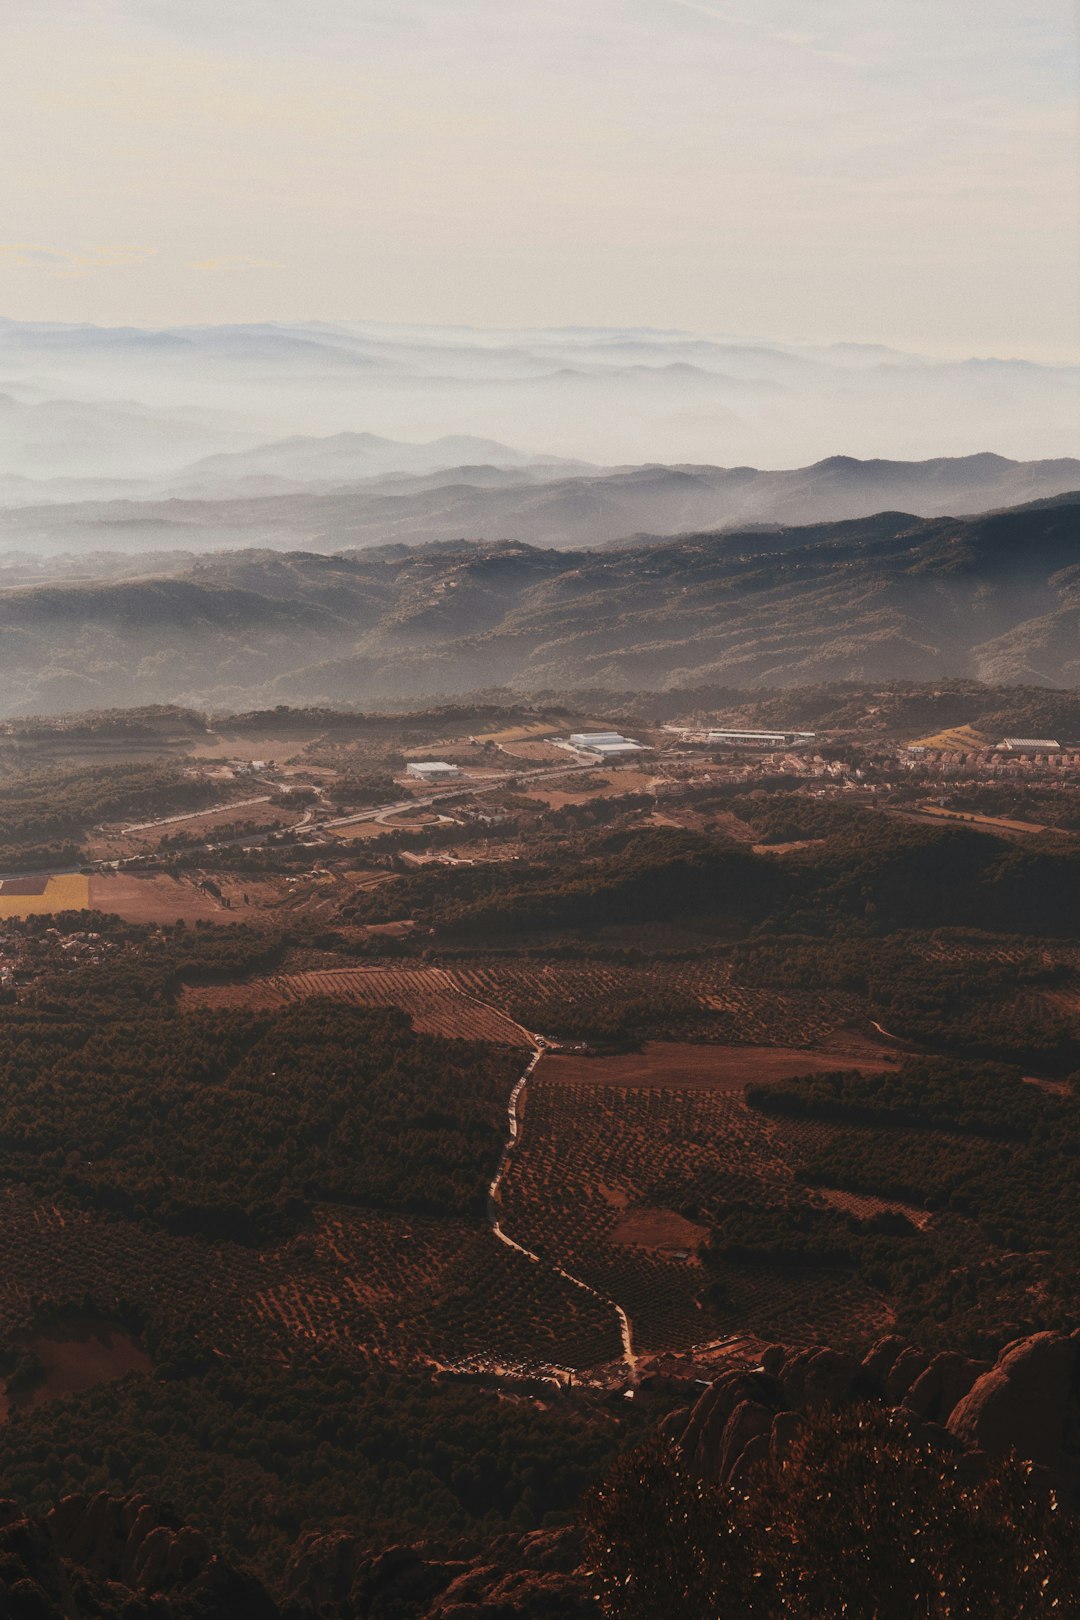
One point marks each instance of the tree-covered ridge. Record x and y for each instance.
(46, 811)
(889, 597)
(860, 1517)
(993, 1161)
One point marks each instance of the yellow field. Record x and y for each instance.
(958, 739)
(69, 892)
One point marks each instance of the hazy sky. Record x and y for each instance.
(902, 171)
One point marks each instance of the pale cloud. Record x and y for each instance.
(234, 261)
(70, 262)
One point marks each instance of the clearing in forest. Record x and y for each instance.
(683, 1067)
(156, 898)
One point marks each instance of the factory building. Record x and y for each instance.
(432, 770)
(760, 739)
(1029, 745)
(605, 744)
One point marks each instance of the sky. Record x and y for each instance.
(896, 171)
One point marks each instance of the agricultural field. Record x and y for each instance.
(517, 734)
(697, 994)
(434, 1002)
(367, 1288)
(956, 739)
(607, 1182)
(42, 896)
(155, 898)
(670, 1065)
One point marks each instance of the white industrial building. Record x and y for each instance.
(760, 739)
(606, 744)
(1029, 745)
(432, 770)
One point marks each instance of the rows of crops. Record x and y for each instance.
(435, 1003)
(591, 1153)
(366, 1286)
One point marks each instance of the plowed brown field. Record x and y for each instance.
(156, 899)
(712, 1068)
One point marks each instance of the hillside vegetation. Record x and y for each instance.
(892, 597)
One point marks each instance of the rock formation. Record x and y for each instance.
(1027, 1402)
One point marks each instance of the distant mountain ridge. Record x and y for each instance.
(891, 596)
(613, 396)
(536, 500)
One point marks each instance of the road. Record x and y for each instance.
(512, 1139)
(194, 815)
(465, 785)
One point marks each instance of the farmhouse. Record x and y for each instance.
(606, 744)
(760, 739)
(432, 770)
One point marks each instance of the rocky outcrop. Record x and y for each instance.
(105, 1556)
(1027, 1402)
(532, 1577)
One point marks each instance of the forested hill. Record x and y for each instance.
(995, 598)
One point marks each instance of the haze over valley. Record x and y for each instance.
(539, 810)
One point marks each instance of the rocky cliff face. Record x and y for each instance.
(121, 1558)
(106, 1556)
(532, 1577)
(1028, 1402)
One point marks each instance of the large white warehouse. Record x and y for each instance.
(607, 744)
(432, 770)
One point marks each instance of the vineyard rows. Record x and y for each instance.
(589, 981)
(435, 1003)
(740, 1016)
(591, 1153)
(368, 1287)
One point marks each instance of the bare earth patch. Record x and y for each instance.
(660, 1229)
(156, 898)
(680, 1066)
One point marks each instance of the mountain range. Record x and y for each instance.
(890, 596)
(609, 396)
(415, 494)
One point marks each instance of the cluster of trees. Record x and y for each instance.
(1046, 806)
(32, 856)
(149, 720)
(256, 1456)
(355, 790)
(947, 992)
(231, 1124)
(45, 803)
(861, 870)
(993, 1159)
(150, 965)
(985, 1099)
(861, 1519)
(623, 877)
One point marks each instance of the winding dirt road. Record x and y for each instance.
(513, 1137)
